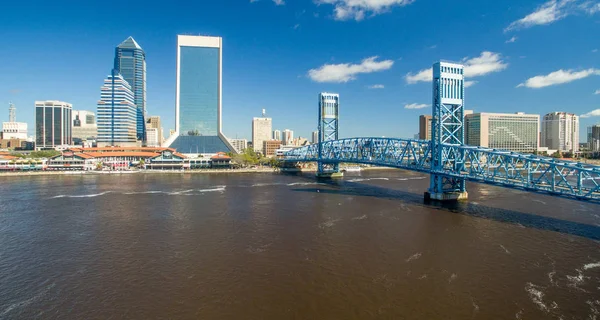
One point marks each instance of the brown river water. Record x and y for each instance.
(270, 246)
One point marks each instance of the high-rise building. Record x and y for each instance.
(261, 132)
(287, 137)
(277, 135)
(198, 97)
(593, 137)
(117, 113)
(154, 122)
(152, 139)
(239, 144)
(130, 62)
(425, 127)
(517, 132)
(560, 131)
(53, 124)
(84, 125)
(315, 137)
(13, 129)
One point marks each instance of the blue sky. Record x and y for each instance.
(531, 56)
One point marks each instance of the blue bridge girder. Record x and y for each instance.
(504, 168)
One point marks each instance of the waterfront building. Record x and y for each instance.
(13, 129)
(315, 137)
(517, 132)
(130, 62)
(198, 98)
(287, 137)
(593, 137)
(276, 135)
(425, 127)
(270, 146)
(84, 125)
(560, 131)
(239, 144)
(154, 123)
(261, 132)
(117, 113)
(53, 126)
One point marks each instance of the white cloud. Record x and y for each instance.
(357, 9)
(597, 91)
(547, 13)
(593, 113)
(487, 62)
(469, 83)
(345, 72)
(590, 7)
(558, 77)
(296, 26)
(279, 2)
(511, 40)
(416, 106)
(377, 86)
(595, 50)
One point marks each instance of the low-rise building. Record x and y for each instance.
(270, 146)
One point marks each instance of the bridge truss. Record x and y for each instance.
(477, 164)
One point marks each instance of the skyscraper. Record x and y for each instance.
(198, 97)
(560, 131)
(425, 127)
(261, 132)
(517, 132)
(277, 135)
(117, 113)
(130, 62)
(287, 136)
(593, 137)
(52, 124)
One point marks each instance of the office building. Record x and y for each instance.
(270, 146)
(117, 113)
(239, 144)
(593, 137)
(13, 129)
(560, 131)
(425, 127)
(152, 137)
(287, 137)
(315, 137)
(154, 123)
(84, 125)
(261, 132)
(53, 126)
(277, 135)
(130, 62)
(198, 100)
(517, 132)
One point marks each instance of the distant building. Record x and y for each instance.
(277, 135)
(116, 113)
(425, 127)
(239, 144)
(84, 125)
(506, 131)
(13, 129)
(154, 123)
(287, 137)
(53, 126)
(270, 146)
(198, 96)
(315, 137)
(299, 142)
(261, 132)
(560, 131)
(593, 137)
(130, 62)
(152, 137)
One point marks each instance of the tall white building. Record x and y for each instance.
(287, 137)
(84, 125)
(239, 144)
(152, 137)
(277, 135)
(517, 132)
(13, 129)
(560, 131)
(117, 113)
(261, 132)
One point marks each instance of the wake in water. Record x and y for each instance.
(189, 192)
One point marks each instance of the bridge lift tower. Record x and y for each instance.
(329, 107)
(447, 127)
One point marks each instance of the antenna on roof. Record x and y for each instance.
(264, 112)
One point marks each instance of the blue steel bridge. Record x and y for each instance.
(445, 157)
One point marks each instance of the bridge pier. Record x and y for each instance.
(330, 175)
(446, 196)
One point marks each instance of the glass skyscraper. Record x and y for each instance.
(198, 96)
(116, 113)
(130, 62)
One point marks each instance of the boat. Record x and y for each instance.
(351, 169)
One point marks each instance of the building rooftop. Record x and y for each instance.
(129, 43)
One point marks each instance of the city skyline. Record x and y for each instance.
(506, 58)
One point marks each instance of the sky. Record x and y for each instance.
(528, 56)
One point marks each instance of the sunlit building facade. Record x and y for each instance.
(517, 132)
(117, 113)
(560, 131)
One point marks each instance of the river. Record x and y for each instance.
(270, 246)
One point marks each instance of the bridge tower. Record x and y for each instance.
(329, 105)
(447, 128)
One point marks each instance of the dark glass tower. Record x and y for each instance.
(130, 62)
